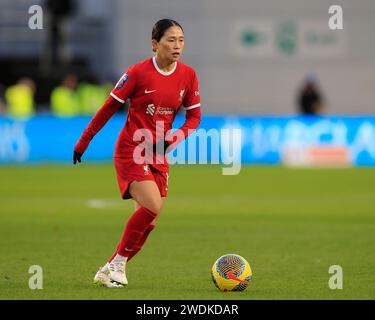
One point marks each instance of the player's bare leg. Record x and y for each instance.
(147, 195)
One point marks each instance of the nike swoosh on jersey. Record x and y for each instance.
(149, 91)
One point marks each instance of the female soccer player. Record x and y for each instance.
(157, 88)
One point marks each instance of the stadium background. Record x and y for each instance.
(252, 58)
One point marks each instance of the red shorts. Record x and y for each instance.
(128, 171)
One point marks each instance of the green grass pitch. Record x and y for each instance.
(290, 224)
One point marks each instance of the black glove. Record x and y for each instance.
(76, 157)
(161, 144)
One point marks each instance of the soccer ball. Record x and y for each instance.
(231, 272)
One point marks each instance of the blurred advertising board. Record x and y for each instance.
(289, 140)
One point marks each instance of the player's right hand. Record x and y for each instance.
(76, 157)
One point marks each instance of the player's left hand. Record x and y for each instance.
(76, 157)
(161, 145)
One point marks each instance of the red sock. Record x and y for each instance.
(139, 246)
(134, 231)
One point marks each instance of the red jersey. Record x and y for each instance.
(154, 96)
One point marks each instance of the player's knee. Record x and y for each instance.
(155, 206)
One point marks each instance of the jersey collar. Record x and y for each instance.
(164, 73)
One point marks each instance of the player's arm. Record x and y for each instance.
(192, 120)
(123, 89)
(192, 105)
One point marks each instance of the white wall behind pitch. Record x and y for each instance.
(263, 84)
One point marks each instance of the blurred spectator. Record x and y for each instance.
(92, 95)
(20, 98)
(64, 98)
(310, 100)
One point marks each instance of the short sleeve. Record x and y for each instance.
(192, 98)
(125, 86)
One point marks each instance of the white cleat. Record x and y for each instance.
(117, 272)
(102, 279)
